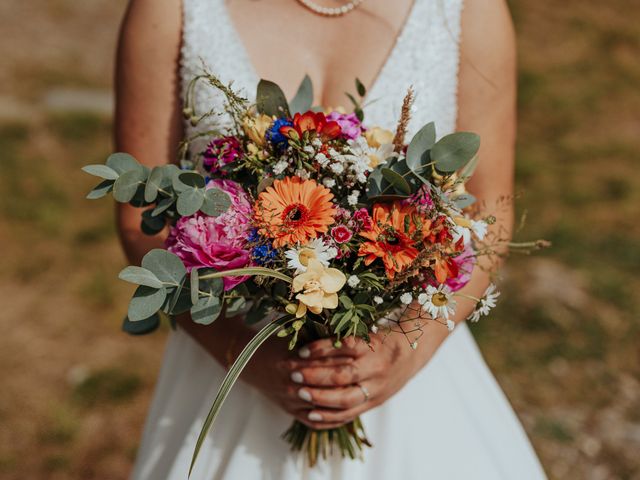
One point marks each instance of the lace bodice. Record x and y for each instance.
(425, 55)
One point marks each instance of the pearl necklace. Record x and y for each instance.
(331, 11)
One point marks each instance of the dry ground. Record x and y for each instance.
(563, 344)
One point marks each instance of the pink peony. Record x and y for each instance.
(349, 124)
(465, 262)
(216, 242)
(341, 234)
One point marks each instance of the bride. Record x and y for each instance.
(436, 412)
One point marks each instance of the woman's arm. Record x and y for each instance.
(148, 126)
(486, 101)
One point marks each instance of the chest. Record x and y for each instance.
(284, 41)
(244, 40)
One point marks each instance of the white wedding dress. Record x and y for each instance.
(451, 421)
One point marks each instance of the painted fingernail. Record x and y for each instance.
(304, 395)
(297, 377)
(314, 417)
(304, 352)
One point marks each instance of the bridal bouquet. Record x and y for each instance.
(325, 225)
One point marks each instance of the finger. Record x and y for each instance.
(296, 364)
(328, 416)
(342, 397)
(339, 375)
(350, 346)
(303, 418)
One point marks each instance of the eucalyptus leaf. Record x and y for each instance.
(454, 151)
(141, 327)
(126, 186)
(374, 183)
(151, 225)
(145, 302)
(153, 184)
(140, 276)
(163, 205)
(194, 285)
(192, 179)
(468, 170)
(101, 171)
(100, 190)
(270, 99)
(180, 301)
(206, 310)
(216, 202)
(419, 146)
(396, 180)
(190, 201)
(265, 183)
(167, 266)
(123, 162)
(303, 98)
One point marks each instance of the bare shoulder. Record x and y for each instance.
(488, 46)
(152, 27)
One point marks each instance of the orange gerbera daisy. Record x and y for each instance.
(390, 238)
(293, 211)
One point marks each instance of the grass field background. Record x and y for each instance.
(564, 342)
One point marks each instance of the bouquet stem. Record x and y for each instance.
(349, 440)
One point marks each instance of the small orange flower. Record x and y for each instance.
(293, 211)
(390, 238)
(312, 122)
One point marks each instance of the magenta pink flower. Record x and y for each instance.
(421, 199)
(220, 152)
(465, 261)
(341, 234)
(216, 242)
(349, 124)
(363, 218)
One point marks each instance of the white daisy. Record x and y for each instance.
(406, 298)
(474, 317)
(353, 281)
(298, 258)
(451, 325)
(440, 302)
(489, 300)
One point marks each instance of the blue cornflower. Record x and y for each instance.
(274, 135)
(263, 254)
(253, 236)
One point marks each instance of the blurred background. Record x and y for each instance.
(563, 343)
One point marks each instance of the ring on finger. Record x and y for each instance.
(364, 391)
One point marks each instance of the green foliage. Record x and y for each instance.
(141, 327)
(419, 146)
(270, 99)
(454, 151)
(303, 99)
(140, 276)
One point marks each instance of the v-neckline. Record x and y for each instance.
(251, 68)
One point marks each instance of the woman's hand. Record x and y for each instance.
(270, 372)
(338, 384)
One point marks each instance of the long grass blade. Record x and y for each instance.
(239, 272)
(231, 378)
